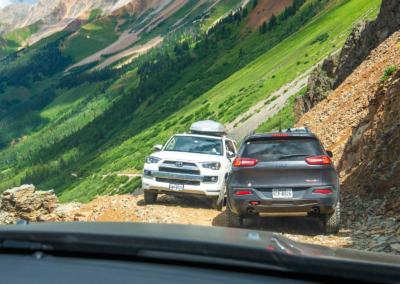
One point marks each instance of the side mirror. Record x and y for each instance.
(158, 148)
(230, 154)
(330, 154)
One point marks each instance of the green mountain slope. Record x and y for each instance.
(105, 122)
(12, 41)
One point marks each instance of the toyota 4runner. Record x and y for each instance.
(191, 164)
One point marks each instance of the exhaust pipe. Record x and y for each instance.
(315, 210)
(283, 214)
(251, 211)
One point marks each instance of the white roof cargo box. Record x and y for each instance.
(208, 127)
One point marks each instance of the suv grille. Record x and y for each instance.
(184, 164)
(184, 168)
(180, 171)
(178, 181)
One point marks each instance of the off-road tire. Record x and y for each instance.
(233, 220)
(218, 203)
(332, 221)
(215, 204)
(150, 197)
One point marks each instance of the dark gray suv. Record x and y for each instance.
(285, 173)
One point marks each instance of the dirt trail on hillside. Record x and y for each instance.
(244, 128)
(134, 51)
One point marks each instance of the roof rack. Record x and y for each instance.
(208, 127)
(296, 130)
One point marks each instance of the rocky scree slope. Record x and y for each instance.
(359, 122)
(366, 36)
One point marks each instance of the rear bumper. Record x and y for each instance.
(324, 203)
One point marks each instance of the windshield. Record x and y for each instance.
(142, 111)
(270, 150)
(195, 144)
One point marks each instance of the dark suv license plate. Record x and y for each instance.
(282, 193)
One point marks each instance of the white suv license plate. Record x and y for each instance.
(282, 193)
(176, 187)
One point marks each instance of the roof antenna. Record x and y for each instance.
(280, 128)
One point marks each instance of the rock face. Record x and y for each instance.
(360, 123)
(366, 36)
(26, 203)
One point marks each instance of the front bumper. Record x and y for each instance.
(204, 189)
(241, 204)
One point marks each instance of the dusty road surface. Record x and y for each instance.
(197, 211)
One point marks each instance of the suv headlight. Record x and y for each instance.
(214, 165)
(152, 160)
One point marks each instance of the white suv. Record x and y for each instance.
(195, 164)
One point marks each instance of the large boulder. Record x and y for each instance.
(26, 203)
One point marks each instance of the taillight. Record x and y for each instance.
(323, 191)
(280, 135)
(244, 162)
(318, 160)
(243, 192)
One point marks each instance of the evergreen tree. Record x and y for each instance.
(245, 12)
(255, 2)
(272, 21)
(264, 27)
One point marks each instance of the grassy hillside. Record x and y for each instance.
(12, 41)
(215, 76)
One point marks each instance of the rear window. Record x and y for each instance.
(269, 150)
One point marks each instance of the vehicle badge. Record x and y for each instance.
(249, 184)
(179, 164)
(281, 165)
(312, 180)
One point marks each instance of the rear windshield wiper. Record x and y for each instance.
(292, 156)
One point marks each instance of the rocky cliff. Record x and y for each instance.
(360, 122)
(366, 36)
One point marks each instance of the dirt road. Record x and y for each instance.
(197, 211)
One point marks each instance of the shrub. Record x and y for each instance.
(274, 98)
(298, 62)
(273, 77)
(285, 91)
(388, 72)
(320, 39)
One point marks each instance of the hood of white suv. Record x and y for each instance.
(187, 156)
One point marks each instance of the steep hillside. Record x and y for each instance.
(93, 123)
(365, 37)
(57, 15)
(358, 122)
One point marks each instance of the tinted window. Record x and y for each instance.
(274, 150)
(195, 145)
